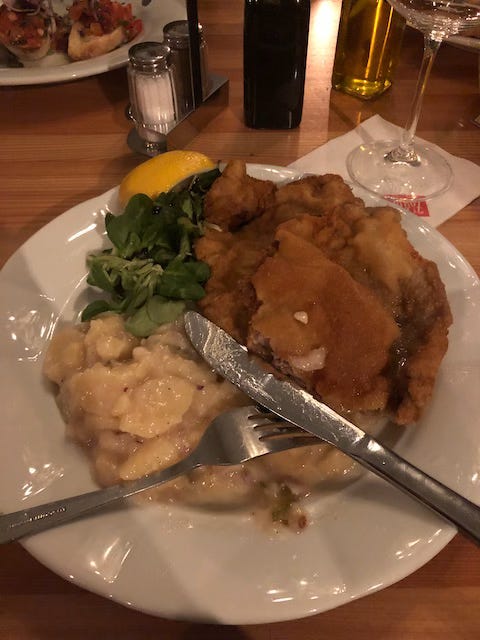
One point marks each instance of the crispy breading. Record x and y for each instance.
(314, 195)
(315, 241)
(321, 326)
(234, 257)
(229, 294)
(235, 198)
(371, 246)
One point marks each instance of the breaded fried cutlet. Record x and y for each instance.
(329, 291)
(317, 324)
(236, 198)
(234, 250)
(369, 249)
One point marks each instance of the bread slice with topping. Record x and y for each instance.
(83, 46)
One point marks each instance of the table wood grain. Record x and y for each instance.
(61, 144)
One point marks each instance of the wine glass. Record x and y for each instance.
(406, 170)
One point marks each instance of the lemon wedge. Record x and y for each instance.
(162, 172)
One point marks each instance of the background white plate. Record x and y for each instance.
(213, 567)
(56, 68)
(465, 42)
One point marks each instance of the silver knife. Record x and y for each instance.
(233, 362)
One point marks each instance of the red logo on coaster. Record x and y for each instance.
(418, 207)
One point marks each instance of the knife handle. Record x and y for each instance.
(463, 513)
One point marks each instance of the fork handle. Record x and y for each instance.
(463, 513)
(51, 514)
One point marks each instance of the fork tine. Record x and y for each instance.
(260, 416)
(268, 430)
(276, 433)
(275, 445)
(245, 433)
(269, 424)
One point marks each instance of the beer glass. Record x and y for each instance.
(404, 169)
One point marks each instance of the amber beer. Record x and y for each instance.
(368, 46)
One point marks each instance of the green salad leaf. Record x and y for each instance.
(150, 273)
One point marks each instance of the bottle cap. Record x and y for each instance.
(149, 56)
(176, 34)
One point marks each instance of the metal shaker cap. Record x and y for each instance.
(149, 56)
(177, 35)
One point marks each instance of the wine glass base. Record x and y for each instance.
(369, 167)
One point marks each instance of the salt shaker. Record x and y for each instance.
(176, 35)
(152, 92)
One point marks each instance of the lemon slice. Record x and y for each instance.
(162, 172)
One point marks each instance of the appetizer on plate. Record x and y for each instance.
(100, 26)
(31, 29)
(26, 28)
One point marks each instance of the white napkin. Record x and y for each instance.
(330, 158)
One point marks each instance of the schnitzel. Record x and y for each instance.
(244, 214)
(329, 291)
(237, 198)
(338, 349)
(383, 314)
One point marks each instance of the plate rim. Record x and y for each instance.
(467, 43)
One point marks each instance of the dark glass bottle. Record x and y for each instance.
(274, 59)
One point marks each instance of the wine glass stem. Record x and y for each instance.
(405, 152)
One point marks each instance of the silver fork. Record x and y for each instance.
(233, 437)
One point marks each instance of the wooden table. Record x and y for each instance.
(62, 144)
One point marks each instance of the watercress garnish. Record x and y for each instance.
(151, 272)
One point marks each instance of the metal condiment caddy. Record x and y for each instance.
(172, 92)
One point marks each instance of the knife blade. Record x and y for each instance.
(233, 362)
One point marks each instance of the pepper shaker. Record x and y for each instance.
(176, 35)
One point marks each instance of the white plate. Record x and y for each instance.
(187, 564)
(465, 42)
(57, 68)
